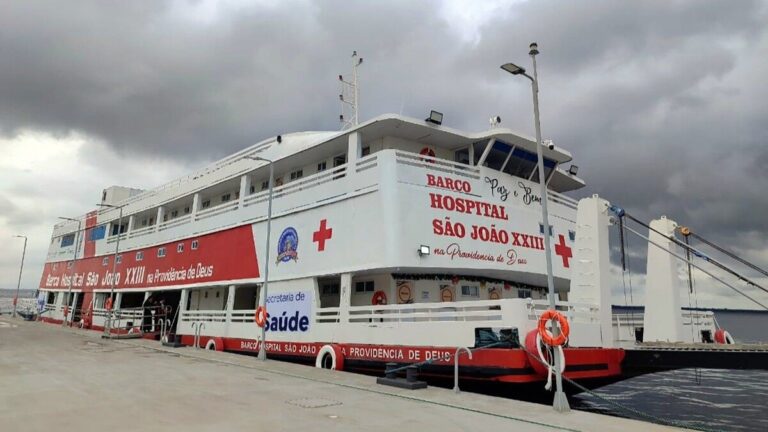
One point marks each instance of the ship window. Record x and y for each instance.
(206, 203)
(144, 223)
(139, 255)
(497, 156)
(462, 156)
(330, 289)
(523, 293)
(186, 210)
(265, 185)
(541, 229)
(161, 252)
(366, 151)
(252, 189)
(151, 221)
(69, 264)
(67, 240)
(105, 261)
(297, 174)
(194, 245)
(174, 213)
(97, 233)
(119, 259)
(321, 166)
(470, 291)
(364, 286)
(339, 160)
(180, 248)
(225, 197)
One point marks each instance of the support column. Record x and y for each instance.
(160, 216)
(183, 301)
(591, 274)
(345, 298)
(662, 321)
(245, 188)
(354, 149)
(131, 223)
(195, 205)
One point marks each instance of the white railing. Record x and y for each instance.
(219, 209)
(481, 310)
(204, 316)
(175, 222)
(295, 186)
(562, 199)
(575, 312)
(328, 315)
(113, 238)
(437, 164)
(366, 163)
(142, 231)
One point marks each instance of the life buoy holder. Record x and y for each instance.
(426, 151)
(108, 303)
(723, 337)
(261, 316)
(379, 298)
(330, 357)
(546, 335)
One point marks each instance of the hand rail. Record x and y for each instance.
(456, 366)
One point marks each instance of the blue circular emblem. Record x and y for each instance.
(287, 246)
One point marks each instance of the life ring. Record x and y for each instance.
(543, 364)
(379, 298)
(531, 339)
(330, 357)
(108, 303)
(426, 151)
(215, 344)
(546, 335)
(261, 316)
(723, 337)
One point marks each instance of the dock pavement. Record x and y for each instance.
(61, 379)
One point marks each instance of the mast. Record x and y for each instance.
(350, 92)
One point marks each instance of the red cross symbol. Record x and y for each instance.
(563, 250)
(321, 235)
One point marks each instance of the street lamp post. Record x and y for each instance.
(21, 269)
(74, 260)
(263, 296)
(561, 401)
(107, 328)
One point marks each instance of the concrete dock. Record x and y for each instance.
(54, 378)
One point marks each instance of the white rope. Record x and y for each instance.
(550, 367)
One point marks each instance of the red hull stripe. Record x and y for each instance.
(222, 256)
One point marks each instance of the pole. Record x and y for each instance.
(21, 269)
(74, 260)
(110, 312)
(263, 297)
(561, 402)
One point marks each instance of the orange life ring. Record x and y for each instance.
(108, 303)
(546, 336)
(261, 316)
(723, 337)
(379, 298)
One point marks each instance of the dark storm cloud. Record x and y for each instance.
(662, 103)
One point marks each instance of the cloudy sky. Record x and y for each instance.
(664, 104)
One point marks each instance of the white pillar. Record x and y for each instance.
(183, 301)
(663, 320)
(591, 274)
(131, 223)
(160, 216)
(195, 205)
(245, 188)
(345, 298)
(354, 149)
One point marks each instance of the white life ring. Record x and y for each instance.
(330, 357)
(215, 344)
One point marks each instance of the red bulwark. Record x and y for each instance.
(221, 256)
(89, 249)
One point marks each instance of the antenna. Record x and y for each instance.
(349, 96)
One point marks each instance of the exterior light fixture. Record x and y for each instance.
(435, 117)
(423, 250)
(513, 69)
(573, 170)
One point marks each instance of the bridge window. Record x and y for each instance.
(364, 286)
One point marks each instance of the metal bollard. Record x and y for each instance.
(390, 371)
(411, 373)
(456, 367)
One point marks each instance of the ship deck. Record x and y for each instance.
(54, 378)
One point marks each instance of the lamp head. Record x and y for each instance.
(513, 68)
(534, 49)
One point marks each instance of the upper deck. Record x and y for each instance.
(376, 185)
